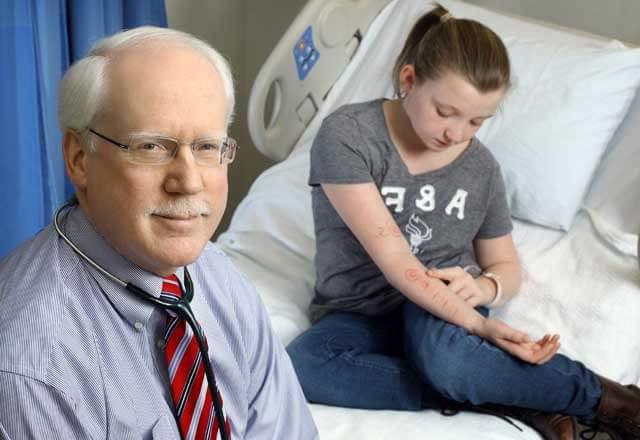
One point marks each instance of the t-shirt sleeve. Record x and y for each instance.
(339, 152)
(497, 220)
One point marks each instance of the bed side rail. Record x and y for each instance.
(299, 73)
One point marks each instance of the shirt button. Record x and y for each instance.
(160, 344)
(138, 325)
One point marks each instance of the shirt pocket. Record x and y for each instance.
(164, 429)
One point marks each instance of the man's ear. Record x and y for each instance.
(75, 159)
(407, 79)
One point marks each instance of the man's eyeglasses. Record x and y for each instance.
(158, 150)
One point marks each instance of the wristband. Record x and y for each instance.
(496, 279)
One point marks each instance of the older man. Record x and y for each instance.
(95, 341)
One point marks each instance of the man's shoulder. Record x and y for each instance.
(216, 260)
(212, 250)
(31, 268)
(32, 302)
(216, 267)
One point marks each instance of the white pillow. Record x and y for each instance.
(615, 192)
(555, 124)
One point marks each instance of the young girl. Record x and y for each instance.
(414, 246)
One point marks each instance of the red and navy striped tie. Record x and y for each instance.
(189, 386)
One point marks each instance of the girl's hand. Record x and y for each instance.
(464, 285)
(518, 343)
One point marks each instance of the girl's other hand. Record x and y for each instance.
(464, 285)
(518, 343)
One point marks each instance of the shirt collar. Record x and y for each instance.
(136, 311)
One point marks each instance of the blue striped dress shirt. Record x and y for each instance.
(81, 358)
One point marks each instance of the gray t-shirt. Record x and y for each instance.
(440, 212)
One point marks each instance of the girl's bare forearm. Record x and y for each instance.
(435, 297)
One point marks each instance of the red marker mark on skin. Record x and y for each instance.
(389, 230)
(415, 275)
(412, 274)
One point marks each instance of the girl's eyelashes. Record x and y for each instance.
(444, 114)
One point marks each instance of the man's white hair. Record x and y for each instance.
(83, 87)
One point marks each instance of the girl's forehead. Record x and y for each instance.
(453, 90)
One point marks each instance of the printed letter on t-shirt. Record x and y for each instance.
(398, 200)
(427, 200)
(457, 202)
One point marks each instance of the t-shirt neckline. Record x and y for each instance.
(432, 173)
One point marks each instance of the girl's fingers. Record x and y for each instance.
(465, 294)
(533, 352)
(552, 352)
(539, 344)
(549, 349)
(439, 273)
(473, 302)
(456, 286)
(449, 273)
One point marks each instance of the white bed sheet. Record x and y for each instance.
(583, 284)
(353, 424)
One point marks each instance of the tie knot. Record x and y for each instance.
(171, 287)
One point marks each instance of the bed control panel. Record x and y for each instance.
(305, 54)
(296, 78)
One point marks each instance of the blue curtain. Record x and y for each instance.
(39, 39)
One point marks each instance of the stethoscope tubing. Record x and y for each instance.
(180, 307)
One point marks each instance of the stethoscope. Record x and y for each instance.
(179, 306)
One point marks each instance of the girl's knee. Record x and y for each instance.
(316, 352)
(443, 358)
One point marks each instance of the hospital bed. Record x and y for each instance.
(567, 140)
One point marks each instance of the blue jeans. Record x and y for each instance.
(411, 360)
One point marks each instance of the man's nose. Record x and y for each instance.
(184, 174)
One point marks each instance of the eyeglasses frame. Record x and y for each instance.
(127, 148)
